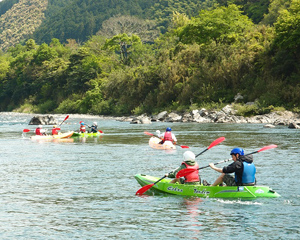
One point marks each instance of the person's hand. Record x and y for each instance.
(212, 165)
(166, 175)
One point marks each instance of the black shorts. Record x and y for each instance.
(229, 180)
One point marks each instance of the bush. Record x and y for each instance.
(102, 107)
(68, 106)
(46, 107)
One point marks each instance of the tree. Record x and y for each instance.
(275, 7)
(145, 29)
(121, 43)
(221, 25)
(287, 28)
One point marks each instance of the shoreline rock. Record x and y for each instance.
(225, 115)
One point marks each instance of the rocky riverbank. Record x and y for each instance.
(226, 115)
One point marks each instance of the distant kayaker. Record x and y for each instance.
(242, 167)
(54, 130)
(82, 127)
(168, 136)
(94, 127)
(40, 131)
(190, 163)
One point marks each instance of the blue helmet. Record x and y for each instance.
(82, 123)
(239, 151)
(168, 129)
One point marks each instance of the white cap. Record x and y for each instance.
(189, 155)
(40, 126)
(157, 131)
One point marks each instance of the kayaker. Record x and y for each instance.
(82, 127)
(168, 136)
(54, 130)
(190, 163)
(242, 167)
(40, 131)
(94, 127)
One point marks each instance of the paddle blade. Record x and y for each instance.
(26, 130)
(144, 189)
(184, 172)
(267, 147)
(150, 134)
(66, 118)
(183, 146)
(216, 142)
(100, 131)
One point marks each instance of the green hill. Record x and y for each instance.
(20, 20)
(43, 20)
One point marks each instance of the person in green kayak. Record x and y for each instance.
(82, 127)
(242, 167)
(94, 128)
(190, 163)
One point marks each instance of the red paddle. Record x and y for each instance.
(64, 120)
(147, 187)
(151, 134)
(26, 130)
(100, 131)
(214, 143)
(187, 171)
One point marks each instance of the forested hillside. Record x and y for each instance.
(43, 20)
(201, 58)
(20, 20)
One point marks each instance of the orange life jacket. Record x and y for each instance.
(193, 176)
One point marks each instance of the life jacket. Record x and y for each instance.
(54, 131)
(168, 136)
(193, 176)
(82, 128)
(38, 131)
(248, 173)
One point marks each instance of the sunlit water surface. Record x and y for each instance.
(85, 188)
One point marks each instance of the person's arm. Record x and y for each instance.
(174, 138)
(174, 172)
(220, 170)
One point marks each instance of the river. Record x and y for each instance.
(85, 189)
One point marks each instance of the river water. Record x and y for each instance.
(85, 189)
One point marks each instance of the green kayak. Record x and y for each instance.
(77, 134)
(240, 192)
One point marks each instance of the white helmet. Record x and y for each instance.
(40, 126)
(188, 155)
(158, 132)
(95, 123)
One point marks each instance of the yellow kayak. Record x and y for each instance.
(50, 137)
